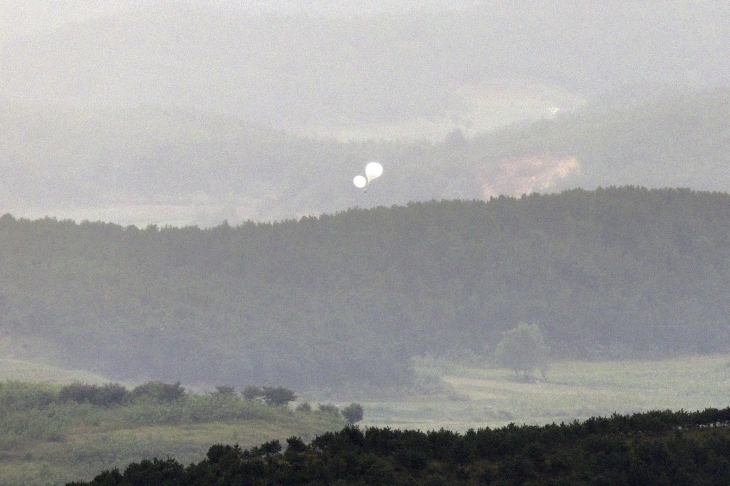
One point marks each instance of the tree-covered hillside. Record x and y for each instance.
(349, 298)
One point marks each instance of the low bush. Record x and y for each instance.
(159, 392)
(16, 395)
(328, 408)
(106, 395)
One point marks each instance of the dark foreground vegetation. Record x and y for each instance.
(348, 299)
(654, 448)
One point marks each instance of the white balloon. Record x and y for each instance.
(373, 170)
(359, 182)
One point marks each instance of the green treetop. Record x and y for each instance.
(523, 349)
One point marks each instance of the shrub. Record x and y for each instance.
(278, 395)
(271, 395)
(304, 407)
(159, 391)
(353, 413)
(224, 390)
(106, 395)
(77, 392)
(253, 392)
(113, 394)
(328, 408)
(16, 395)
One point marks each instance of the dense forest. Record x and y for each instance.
(653, 448)
(348, 299)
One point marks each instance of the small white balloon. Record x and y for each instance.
(359, 181)
(373, 170)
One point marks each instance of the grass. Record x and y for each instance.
(61, 442)
(85, 452)
(483, 396)
(468, 397)
(19, 370)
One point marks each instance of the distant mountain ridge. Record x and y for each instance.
(133, 113)
(161, 165)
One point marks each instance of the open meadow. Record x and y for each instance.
(47, 439)
(61, 443)
(84, 451)
(476, 396)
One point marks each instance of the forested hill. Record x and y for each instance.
(349, 298)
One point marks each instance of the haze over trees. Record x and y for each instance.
(160, 116)
(345, 300)
(172, 113)
(143, 165)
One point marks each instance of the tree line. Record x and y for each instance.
(348, 299)
(19, 396)
(652, 448)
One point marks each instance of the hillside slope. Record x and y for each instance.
(53, 434)
(156, 165)
(348, 299)
(679, 140)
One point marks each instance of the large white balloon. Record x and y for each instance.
(373, 170)
(359, 182)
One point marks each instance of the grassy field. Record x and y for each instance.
(85, 451)
(482, 396)
(69, 442)
(467, 397)
(19, 370)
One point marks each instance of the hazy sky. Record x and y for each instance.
(80, 80)
(29, 16)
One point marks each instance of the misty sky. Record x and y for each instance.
(80, 78)
(587, 47)
(31, 16)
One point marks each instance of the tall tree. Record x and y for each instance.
(523, 349)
